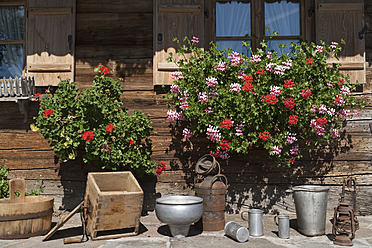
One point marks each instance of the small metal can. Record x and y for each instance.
(236, 231)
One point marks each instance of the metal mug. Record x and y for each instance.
(236, 231)
(282, 221)
(255, 222)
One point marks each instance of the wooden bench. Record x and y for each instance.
(19, 90)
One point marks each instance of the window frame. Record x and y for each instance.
(18, 42)
(258, 24)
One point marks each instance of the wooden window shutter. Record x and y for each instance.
(174, 18)
(50, 40)
(336, 20)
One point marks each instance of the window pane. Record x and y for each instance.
(273, 45)
(11, 22)
(283, 17)
(233, 18)
(236, 46)
(11, 61)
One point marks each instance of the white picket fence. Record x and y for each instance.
(17, 87)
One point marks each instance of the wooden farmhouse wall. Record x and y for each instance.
(119, 35)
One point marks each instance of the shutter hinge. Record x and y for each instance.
(206, 13)
(310, 11)
(361, 32)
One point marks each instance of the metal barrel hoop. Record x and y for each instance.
(206, 169)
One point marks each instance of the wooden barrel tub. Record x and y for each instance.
(24, 216)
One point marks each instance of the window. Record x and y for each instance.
(233, 25)
(12, 23)
(247, 20)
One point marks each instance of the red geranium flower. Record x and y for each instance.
(131, 142)
(309, 62)
(264, 136)
(247, 87)
(88, 135)
(225, 145)
(161, 168)
(341, 81)
(248, 78)
(47, 112)
(104, 69)
(269, 99)
(288, 83)
(109, 128)
(306, 93)
(260, 71)
(292, 120)
(226, 123)
(290, 103)
(321, 121)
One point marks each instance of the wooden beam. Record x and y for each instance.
(51, 11)
(164, 66)
(340, 6)
(181, 8)
(11, 42)
(12, 2)
(48, 67)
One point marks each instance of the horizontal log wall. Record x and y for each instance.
(118, 34)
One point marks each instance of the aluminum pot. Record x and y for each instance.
(179, 212)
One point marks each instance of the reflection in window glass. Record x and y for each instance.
(11, 22)
(273, 45)
(11, 61)
(283, 17)
(11, 28)
(236, 46)
(233, 18)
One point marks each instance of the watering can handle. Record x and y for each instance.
(14, 186)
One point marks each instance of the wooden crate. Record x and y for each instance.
(114, 201)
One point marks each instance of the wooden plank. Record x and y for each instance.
(13, 2)
(51, 11)
(180, 8)
(11, 42)
(164, 66)
(341, 6)
(114, 6)
(49, 67)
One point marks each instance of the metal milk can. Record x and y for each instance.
(282, 221)
(236, 231)
(212, 189)
(255, 222)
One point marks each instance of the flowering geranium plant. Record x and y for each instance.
(285, 103)
(95, 120)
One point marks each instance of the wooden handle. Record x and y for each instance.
(14, 186)
(71, 240)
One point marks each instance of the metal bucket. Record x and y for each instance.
(311, 208)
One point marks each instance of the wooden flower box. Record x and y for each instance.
(114, 204)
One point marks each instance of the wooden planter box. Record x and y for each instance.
(114, 201)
